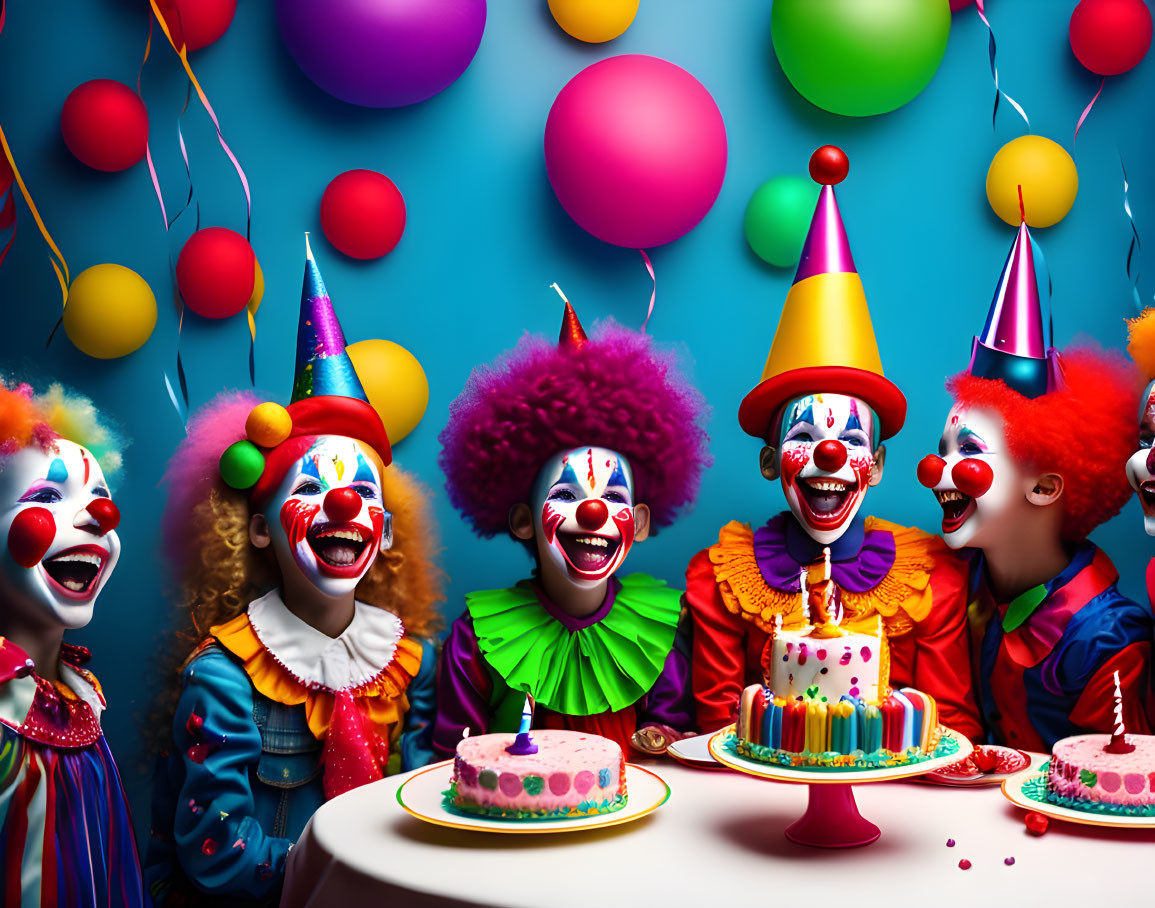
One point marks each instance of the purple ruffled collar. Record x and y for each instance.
(860, 558)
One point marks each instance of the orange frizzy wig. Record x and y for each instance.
(1084, 431)
(27, 418)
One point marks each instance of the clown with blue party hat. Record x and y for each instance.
(1030, 461)
(820, 569)
(306, 562)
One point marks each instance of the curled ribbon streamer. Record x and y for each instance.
(995, 72)
(1087, 110)
(1135, 245)
(653, 291)
(8, 211)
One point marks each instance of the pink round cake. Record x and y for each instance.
(572, 774)
(1081, 768)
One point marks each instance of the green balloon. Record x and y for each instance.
(242, 465)
(859, 57)
(778, 217)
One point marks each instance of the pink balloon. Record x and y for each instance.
(635, 149)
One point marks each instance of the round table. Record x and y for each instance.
(720, 836)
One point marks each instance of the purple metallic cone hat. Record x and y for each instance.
(323, 366)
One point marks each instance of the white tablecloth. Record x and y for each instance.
(718, 841)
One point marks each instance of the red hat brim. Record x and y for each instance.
(759, 407)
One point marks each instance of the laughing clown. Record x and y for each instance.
(1030, 461)
(577, 450)
(306, 562)
(65, 833)
(822, 409)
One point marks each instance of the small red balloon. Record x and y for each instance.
(829, 455)
(363, 214)
(1110, 36)
(829, 165)
(972, 477)
(105, 125)
(592, 514)
(342, 504)
(105, 513)
(216, 272)
(930, 470)
(204, 21)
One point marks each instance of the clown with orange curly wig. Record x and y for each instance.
(576, 449)
(1030, 461)
(306, 560)
(64, 819)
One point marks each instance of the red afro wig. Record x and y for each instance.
(1084, 431)
(615, 392)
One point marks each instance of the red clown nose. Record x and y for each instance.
(592, 514)
(829, 455)
(930, 470)
(105, 513)
(342, 505)
(972, 477)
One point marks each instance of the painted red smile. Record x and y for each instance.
(75, 572)
(342, 549)
(827, 500)
(956, 508)
(588, 553)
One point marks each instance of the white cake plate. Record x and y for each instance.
(832, 819)
(695, 752)
(1013, 790)
(421, 795)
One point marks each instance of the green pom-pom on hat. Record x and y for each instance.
(242, 465)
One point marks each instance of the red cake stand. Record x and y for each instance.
(832, 819)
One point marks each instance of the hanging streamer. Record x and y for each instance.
(1135, 246)
(979, 6)
(653, 290)
(7, 210)
(1087, 110)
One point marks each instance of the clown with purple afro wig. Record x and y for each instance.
(578, 450)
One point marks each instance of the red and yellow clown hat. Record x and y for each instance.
(327, 399)
(825, 340)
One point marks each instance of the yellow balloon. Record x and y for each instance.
(394, 382)
(110, 312)
(1044, 170)
(594, 21)
(268, 424)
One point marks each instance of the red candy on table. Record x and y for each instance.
(1036, 823)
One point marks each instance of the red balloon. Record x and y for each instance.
(829, 165)
(216, 272)
(204, 21)
(105, 125)
(363, 214)
(1110, 36)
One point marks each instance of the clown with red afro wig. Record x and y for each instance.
(1030, 461)
(577, 449)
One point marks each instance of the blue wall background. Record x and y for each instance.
(485, 238)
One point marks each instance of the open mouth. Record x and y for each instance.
(956, 508)
(827, 499)
(588, 553)
(74, 572)
(340, 548)
(1147, 496)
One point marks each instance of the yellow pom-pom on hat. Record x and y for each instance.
(268, 424)
(1141, 341)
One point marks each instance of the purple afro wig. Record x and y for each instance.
(615, 392)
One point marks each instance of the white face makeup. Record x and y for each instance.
(327, 518)
(981, 488)
(1141, 465)
(583, 507)
(826, 460)
(58, 524)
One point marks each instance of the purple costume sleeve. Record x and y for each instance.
(670, 701)
(463, 690)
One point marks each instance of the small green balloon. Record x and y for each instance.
(859, 57)
(778, 217)
(242, 465)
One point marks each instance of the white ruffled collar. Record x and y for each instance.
(362, 651)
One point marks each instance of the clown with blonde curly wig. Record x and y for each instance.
(577, 450)
(1030, 461)
(64, 819)
(307, 565)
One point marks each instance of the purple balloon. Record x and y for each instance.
(382, 53)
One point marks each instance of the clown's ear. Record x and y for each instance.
(521, 521)
(387, 534)
(1047, 490)
(768, 462)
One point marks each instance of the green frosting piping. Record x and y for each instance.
(449, 800)
(601, 668)
(879, 759)
(1036, 789)
(1088, 777)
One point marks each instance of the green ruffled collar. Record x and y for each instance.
(605, 665)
